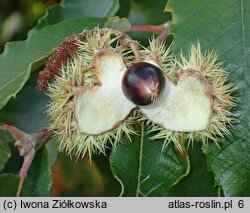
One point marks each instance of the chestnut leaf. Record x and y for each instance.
(4, 153)
(19, 59)
(223, 26)
(142, 168)
(9, 184)
(39, 180)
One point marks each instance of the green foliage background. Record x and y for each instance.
(139, 168)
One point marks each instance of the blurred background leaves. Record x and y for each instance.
(18, 17)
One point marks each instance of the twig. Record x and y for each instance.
(27, 145)
(164, 34)
(149, 28)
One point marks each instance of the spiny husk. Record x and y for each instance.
(158, 54)
(99, 40)
(103, 107)
(63, 122)
(221, 118)
(77, 75)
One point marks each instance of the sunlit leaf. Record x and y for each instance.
(223, 26)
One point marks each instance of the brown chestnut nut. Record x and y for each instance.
(142, 83)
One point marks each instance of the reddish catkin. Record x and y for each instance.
(58, 57)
